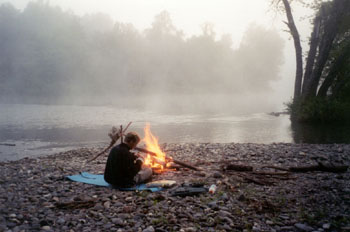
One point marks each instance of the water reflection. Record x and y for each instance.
(325, 133)
(38, 129)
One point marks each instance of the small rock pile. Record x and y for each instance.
(35, 195)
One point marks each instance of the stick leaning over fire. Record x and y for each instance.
(175, 161)
(114, 135)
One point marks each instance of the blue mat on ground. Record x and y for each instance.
(97, 179)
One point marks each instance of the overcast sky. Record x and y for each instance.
(228, 17)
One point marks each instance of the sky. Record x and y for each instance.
(228, 17)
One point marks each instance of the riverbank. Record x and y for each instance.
(32, 190)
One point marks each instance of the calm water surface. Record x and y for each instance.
(40, 129)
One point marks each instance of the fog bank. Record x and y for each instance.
(52, 56)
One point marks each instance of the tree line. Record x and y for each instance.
(48, 54)
(322, 84)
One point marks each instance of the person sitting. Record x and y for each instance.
(124, 168)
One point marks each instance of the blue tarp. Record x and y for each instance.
(97, 179)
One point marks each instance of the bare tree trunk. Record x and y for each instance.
(330, 31)
(298, 50)
(314, 42)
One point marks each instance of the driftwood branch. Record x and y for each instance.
(75, 204)
(173, 160)
(121, 134)
(259, 180)
(248, 174)
(185, 165)
(239, 168)
(310, 168)
(8, 144)
(271, 173)
(277, 168)
(320, 167)
(115, 137)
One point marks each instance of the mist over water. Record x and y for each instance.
(52, 56)
(67, 79)
(45, 129)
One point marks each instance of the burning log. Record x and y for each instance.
(158, 161)
(172, 160)
(157, 171)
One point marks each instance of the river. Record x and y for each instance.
(34, 130)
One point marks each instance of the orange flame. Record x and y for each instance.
(152, 145)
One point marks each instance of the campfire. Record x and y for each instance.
(155, 157)
(158, 161)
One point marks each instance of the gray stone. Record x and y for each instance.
(128, 199)
(46, 228)
(124, 215)
(149, 229)
(98, 206)
(227, 219)
(16, 229)
(118, 221)
(326, 226)
(217, 175)
(284, 216)
(107, 204)
(190, 229)
(224, 213)
(107, 226)
(256, 227)
(213, 205)
(210, 221)
(268, 222)
(226, 227)
(224, 197)
(118, 204)
(286, 228)
(303, 227)
(61, 221)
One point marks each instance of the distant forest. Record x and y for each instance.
(49, 55)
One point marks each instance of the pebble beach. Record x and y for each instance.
(35, 194)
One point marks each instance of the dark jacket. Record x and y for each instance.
(121, 166)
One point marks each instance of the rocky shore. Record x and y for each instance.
(32, 192)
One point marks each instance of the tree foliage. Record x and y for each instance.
(326, 74)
